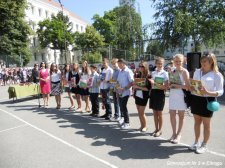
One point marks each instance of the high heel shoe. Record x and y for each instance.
(172, 138)
(177, 139)
(158, 133)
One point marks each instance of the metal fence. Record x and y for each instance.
(96, 55)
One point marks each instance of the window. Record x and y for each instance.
(33, 26)
(43, 57)
(81, 28)
(32, 10)
(46, 14)
(49, 57)
(35, 56)
(216, 52)
(77, 27)
(34, 41)
(39, 12)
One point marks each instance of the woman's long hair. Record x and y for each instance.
(145, 72)
(212, 60)
(52, 68)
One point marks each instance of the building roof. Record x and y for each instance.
(56, 4)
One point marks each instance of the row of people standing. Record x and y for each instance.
(212, 87)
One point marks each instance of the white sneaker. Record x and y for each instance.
(121, 121)
(202, 149)
(194, 147)
(125, 126)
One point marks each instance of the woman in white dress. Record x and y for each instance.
(178, 79)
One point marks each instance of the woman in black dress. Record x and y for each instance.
(141, 94)
(74, 78)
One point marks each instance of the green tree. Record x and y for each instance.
(89, 40)
(106, 26)
(121, 27)
(155, 47)
(56, 33)
(202, 21)
(14, 34)
(91, 43)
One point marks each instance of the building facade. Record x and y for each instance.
(39, 10)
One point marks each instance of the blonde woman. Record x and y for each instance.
(178, 79)
(213, 83)
(159, 82)
(141, 94)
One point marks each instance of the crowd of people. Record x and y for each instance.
(10, 76)
(115, 78)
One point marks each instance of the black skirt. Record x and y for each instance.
(199, 106)
(76, 90)
(84, 92)
(141, 102)
(157, 99)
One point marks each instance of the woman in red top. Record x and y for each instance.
(44, 83)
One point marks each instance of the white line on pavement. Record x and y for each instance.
(60, 140)
(209, 151)
(9, 129)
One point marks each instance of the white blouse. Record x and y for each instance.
(212, 81)
(55, 77)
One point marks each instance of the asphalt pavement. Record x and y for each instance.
(33, 137)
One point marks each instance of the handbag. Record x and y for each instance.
(187, 97)
(213, 105)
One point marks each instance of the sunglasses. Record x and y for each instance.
(141, 66)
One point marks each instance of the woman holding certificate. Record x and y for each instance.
(159, 83)
(178, 80)
(210, 85)
(141, 93)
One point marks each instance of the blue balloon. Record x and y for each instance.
(213, 106)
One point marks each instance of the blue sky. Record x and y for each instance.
(87, 8)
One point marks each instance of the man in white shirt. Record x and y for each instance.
(125, 80)
(105, 87)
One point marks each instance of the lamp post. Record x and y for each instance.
(64, 31)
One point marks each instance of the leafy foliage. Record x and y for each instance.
(14, 34)
(56, 32)
(179, 20)
(121, 27)
(95, 57)
(155, 47)
(89, 40)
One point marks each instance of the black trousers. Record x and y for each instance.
(94, 102)
(123, 108)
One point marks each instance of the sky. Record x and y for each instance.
(87, 8)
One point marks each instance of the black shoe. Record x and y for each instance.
(96, 115)
(92, 114)
(103, 116)
(108, 117)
